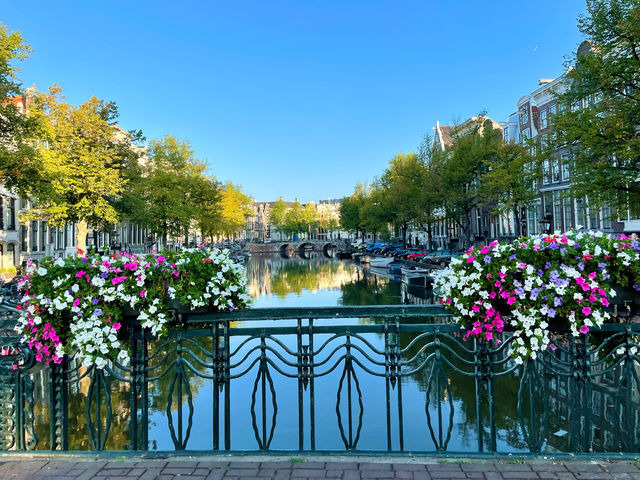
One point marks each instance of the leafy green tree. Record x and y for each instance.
(374, 213)
(209, 216)
(508, 181)
(18, 159)
(460, 168)
(170, 188)
(295, 221)
(603, 138)
(310, 218)
(278, 215)
(431, 198)
(350, 210)
(402, 185)
(81, 155)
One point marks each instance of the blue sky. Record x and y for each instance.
(296, 98)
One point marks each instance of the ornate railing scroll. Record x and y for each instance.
(289, 379)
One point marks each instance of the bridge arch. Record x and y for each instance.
(307, 246)
(330, 249)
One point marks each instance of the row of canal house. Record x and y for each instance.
(554, 209)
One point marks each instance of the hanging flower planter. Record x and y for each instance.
(568, 280)
(77, 305)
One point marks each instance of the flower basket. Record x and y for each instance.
(566, 281)
(78, 305)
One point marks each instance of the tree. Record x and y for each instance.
(170, 188)
(508, 181)
(210, 214)
(350, 210)
(278, 215)
(460, 167)
(604, 138)
(310, 218)
(401, 189)
(235, 209)
(295, 222)
(374, 213)
(18, 159)
(81, 154)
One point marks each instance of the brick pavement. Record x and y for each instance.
(344, 468)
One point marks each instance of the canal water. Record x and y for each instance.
(317, 281)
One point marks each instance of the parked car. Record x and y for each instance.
(440, 257)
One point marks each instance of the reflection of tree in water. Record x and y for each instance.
(272, 274)
(370, 289)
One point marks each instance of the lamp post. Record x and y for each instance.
(546, 224)
(115, 244)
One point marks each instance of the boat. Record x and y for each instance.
(365, 259)
(395, 268)
(415, 271)
(417, 276)
(381, 261)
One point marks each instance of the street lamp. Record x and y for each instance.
(115, 244)
(546, 224)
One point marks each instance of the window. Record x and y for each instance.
(34, 236)
(606, 216)
(524, 116)
(552, 110)
(11, 255)
(566, 167)
(556, 170)
(23, 238)
(12, 214)
(545, 172)
(568, 214)
(543, 119)
(43, 236)
(581, 213)
(557, 211)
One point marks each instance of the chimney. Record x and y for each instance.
(544, 81)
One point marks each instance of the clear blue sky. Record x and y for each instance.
(296, 98)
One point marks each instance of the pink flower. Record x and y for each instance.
(497, 284)
(116, 326)
(81, 273)
(564, 240)
(552, 346)
(14, 367)
(586, 310)
(485, 250)
(76, 302)
(143, 293)
(475, 308)
(470, 259)
(511, 301)
(584, 329)
(160, 259)
(604, 302)
(505, 294)
(492, 295)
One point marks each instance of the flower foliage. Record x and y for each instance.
(526, 285)
(75, 305)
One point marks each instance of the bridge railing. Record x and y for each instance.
(384, 378)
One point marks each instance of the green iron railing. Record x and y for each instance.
(587, 381)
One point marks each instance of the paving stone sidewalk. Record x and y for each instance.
(216, 468)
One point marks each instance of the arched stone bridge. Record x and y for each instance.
(302, 246)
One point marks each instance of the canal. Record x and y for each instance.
(318, 281)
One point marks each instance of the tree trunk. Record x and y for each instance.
(518, 225)
(429, 237)
(404, 234)
(81, 237)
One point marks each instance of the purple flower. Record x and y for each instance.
(97, 312)
(540, 273)
(580, 266)
(577, 245)
(636, 288)
(602, 265)
(104, 275)
(513, 257)
(534, 293)
(551, 313)
(94, 301)
(563, 251)
(79, 314)
(487, 259)
(557, 302)
(83, 259)
(553, 246)
(547, 265)
(519, 291)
